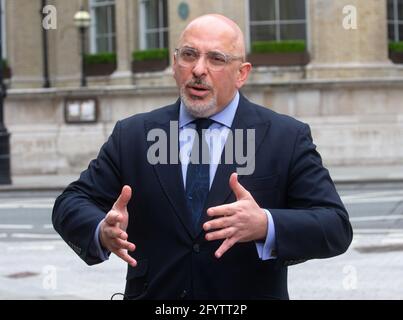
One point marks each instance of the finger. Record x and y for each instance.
(239, 191)
(124, 198)
(220, 234)
(118, 244)
(222, 210)
(113, 218)
(219, 223)
(225, 246)
(114, 233)
(126, 257)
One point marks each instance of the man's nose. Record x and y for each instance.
(200, 68)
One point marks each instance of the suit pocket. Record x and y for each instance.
(260, 183)
(136, 280)
(139, 271)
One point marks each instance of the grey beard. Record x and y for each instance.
(196, 109)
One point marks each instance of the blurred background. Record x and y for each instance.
(71, 69)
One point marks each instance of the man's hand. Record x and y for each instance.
(240, 221)
(112, 235)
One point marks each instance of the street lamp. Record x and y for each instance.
(82, 21)
(5, 177)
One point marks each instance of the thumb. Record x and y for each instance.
(239, 191)
(124, 198)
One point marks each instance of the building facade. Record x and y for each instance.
(344, 79)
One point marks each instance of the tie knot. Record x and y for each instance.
(203, 123)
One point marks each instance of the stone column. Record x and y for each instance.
(338, 49)
(126, 28)
(64, 45)
(24, 30)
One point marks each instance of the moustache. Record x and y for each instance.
(199, 82)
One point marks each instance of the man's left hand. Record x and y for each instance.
(240, 221)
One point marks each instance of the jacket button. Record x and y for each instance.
(196, 248)
(183, 294)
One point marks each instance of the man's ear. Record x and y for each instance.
(243, 74)
(174, 59)
(174, 66)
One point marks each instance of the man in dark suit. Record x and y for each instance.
(194, 231)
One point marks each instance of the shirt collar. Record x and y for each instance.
(224, 117)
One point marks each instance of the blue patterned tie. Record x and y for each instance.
(198, 172)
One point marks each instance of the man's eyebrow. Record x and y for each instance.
(211, 51)
(189, 47)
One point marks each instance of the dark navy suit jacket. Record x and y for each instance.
(174, 260)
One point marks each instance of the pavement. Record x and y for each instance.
(340, 175)
(54, 272)
(371, 269)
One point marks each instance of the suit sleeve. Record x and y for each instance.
(85, 202)
(315, 223)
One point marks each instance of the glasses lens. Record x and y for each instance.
(188, 56)
(216, 59)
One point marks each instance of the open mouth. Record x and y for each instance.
(199, 91)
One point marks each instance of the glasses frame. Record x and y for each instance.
(228, 58)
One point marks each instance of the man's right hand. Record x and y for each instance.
(112, 235)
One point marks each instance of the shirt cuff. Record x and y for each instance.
(99, 251)
(267, 250)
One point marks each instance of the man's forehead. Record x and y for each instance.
(213, 32)
(215, 22)
(207, 40)
(211, 28)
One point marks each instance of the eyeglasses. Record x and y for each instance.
(216, 61)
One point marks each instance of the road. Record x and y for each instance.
(372, 268)
(36, 264)
(26, 216)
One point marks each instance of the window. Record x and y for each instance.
(154, 24)
(103, 34)
(3, 28)
(276, 20)
(395, 20)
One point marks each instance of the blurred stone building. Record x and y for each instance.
(344, 83)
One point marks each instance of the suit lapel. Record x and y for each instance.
(246, 117)
(170, 174)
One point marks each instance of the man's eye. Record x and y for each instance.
(217, 58)
(188, 54)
